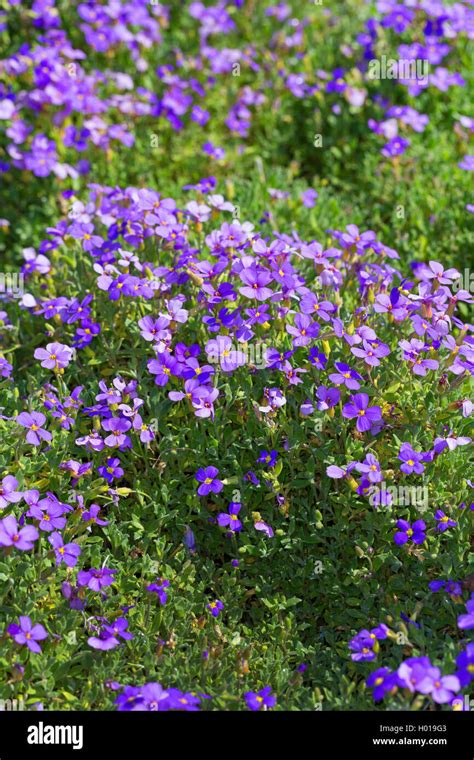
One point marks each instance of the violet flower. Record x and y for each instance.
(28, 634)
(34, 422)
(12, 535)
(207, 476)
(359, 408)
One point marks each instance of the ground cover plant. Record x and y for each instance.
(236, 355)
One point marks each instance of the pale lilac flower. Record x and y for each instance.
(27, 633)
(117, 427)
(466, 621)
(303, 331)
(441, 688)
(255, 282)
(55, 356)
(436, 271)
(34, 422)
(221, 349)
(12, 535)
(8, 492)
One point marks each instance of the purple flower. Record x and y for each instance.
(371, 352)
(5, 368)
(111, 470)
(337, 83)
(158, 587)
(395, 147)
(362, 646)
(345, 376)
(8, 492)
(77, 469)
(260, 700)
(415, 532)
(67, 553)
(230, 519)
(467, 163)
(411, 460)
(155, 697)
(308, 197)
(255, 281)
(371, 468)
(268, 458)
(110, 636)
(274, 399)
(444, 522)
(204, 403)
(466, 621)
(411, 671)
(322, 309)
(215, 607)
(317, 358)
(11, 535)
(154, 329)
(49, 514)
(334, 471)
(363, 643)
(43, 157)
(303, 331)
(91, 515)
(383, 681)
(70, 593)
(262, 526)
(306, 408)
(441, 688)
(130, 699)
(178, 700)
(354, 236)
(453, 588)
(96, 579)
(465, 663)
(162, 367)
(412, 352)
(55, 356)
(366, 415)
(435, 271)
(189, 540)
(221, 349)
(119, 629)
(85, 232)
(104, 642)
(117, 428)
(34, 422)
(451, 442)
(27, 633)
(207, 476)
(328, 397)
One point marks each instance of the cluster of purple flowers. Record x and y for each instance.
(417, 675)
(104, 104)
(213, 299)
(365, 644)
(152, 696)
